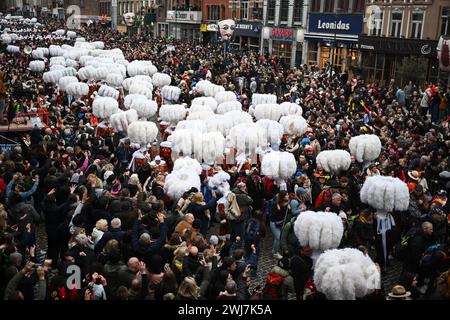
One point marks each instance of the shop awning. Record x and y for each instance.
(398, 46)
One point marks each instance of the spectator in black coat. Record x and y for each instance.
(143, 244)
(417, 245)
(301, 269)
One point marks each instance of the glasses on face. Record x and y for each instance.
(227, 27)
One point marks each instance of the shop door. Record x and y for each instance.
(324, 56)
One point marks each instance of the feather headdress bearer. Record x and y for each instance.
(319, 230)
(142, 133)
(184, 177)
(346, 274)
(334, 161)
(385, 194)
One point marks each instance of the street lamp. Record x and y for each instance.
(334, 45)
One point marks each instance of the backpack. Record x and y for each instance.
(323, 197)
(400, 250)
(433, 254)
(232, 210)
(272, 288)
(252, 231)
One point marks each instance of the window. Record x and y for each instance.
(298, 11)
(396, 27)
(315, 5)
(445, 22)
(377, 25)
(244, 10)
(345, 5)
(271, 10)
(215, 13)
(416, 31)
(234, 10)
(284, 10)
(358, 6)
(329, 6)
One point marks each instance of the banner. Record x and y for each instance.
(345, 24)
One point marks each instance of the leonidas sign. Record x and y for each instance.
(348, 24)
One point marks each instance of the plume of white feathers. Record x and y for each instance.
(77, 89)
(120, 121)
(365, 148)
(172, 113)
(179, 181)
(278, 165)
(142, 132)
(272, 129)
(205, 101)
(334, 161)
(171, 93)
(346, 274)
(161, 79)
(320, 230)
(385, 193)
(258, 98)
(104, 107)
(294, 124)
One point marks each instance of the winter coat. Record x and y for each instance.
(245, 202)
(113, 234)
(363, 232)
(199, 210)
(416, 248)
(440, 229)
(287, 286)
(289, 241)
(256, 188)
(301, 270)
(144, 251)
(16, 212)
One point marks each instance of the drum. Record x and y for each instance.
(103, 131)
(140, 162)
(163, 125)
(162, 168)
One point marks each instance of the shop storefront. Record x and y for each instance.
(209, 32)
(285, 43)
(184, 24)
(247, 35)
(381, 56)
(333, 39)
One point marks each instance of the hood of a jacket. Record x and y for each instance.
(96, 233)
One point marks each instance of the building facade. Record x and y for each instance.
(212, 12)
(183, 19)
(332, 33)
(397, 29)
(284, 29)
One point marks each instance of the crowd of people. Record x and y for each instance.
(69, 189)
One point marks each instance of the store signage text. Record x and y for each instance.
(283, 34)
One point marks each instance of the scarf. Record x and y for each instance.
(385, 222)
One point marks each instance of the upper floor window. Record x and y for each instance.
(396, 26)
(417, 19)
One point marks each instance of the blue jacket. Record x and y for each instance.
(25, 194)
